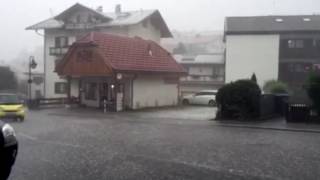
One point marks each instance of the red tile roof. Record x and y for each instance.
(132, 54)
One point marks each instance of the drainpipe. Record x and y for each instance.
(69, 89)
(132, 82)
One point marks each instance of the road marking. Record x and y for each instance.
(27, 136)
(47, 142)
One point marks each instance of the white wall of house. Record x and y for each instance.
(201, 70)
(146, 31)
(248, 54)
(153, 91)
(36, 90)
(118, 30)
(50, 76)
(74, 88)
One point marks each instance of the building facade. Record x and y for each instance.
(61, 31)
(205, 72)
(284, 48)
(202, 55)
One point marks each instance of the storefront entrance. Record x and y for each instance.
(105, 92)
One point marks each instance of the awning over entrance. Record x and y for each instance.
(83, 59)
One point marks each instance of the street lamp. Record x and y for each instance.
(32, 65)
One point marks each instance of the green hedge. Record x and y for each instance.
(239, 99)
(275, 87)
(313, 90)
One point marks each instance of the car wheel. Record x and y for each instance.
(185, 102)
(212, 103)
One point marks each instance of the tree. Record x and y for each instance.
(8, 80)
(254, 78)
(275, 87)
(180, 49)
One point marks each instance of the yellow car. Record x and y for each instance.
(11, 107)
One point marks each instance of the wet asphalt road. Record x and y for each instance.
(64, 144)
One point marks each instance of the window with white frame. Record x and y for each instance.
(60, 87)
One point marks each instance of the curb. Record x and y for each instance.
(269, 128)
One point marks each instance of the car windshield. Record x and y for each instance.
(9, 99)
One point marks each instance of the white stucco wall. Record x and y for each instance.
(152, 91)
(50, 76)
(74, 87)
(148, 32)
(248, 54)
(201, 70)
(35, 88)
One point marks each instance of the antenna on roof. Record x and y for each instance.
(118, 9)
(51, 12)
(274, 6)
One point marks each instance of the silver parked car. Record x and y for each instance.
(205, 97)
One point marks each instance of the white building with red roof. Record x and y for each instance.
(61, 31)
(124, 72)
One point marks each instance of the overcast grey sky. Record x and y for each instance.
(184, 15)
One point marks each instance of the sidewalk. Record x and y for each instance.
(186, 115)
(279, 124)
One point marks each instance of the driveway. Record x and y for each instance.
(181, 112)
(66, 144)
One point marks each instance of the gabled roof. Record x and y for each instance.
(112, 19)
(126, 54)
(76, 7)
(272, 24)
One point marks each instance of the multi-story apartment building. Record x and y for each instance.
(202, 55)
(205, 72)
(284, 48)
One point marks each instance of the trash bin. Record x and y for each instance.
(298, 113)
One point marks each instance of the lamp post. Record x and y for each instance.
(32, 65)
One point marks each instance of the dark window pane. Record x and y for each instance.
(60, 88)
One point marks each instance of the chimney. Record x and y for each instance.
(118, 9)
(99, 9)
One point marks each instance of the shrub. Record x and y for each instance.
(240, 99)
(275, 87)
(313, 89)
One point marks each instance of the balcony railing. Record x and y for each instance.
(80, 26)
(202, 80)
(58, 51)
